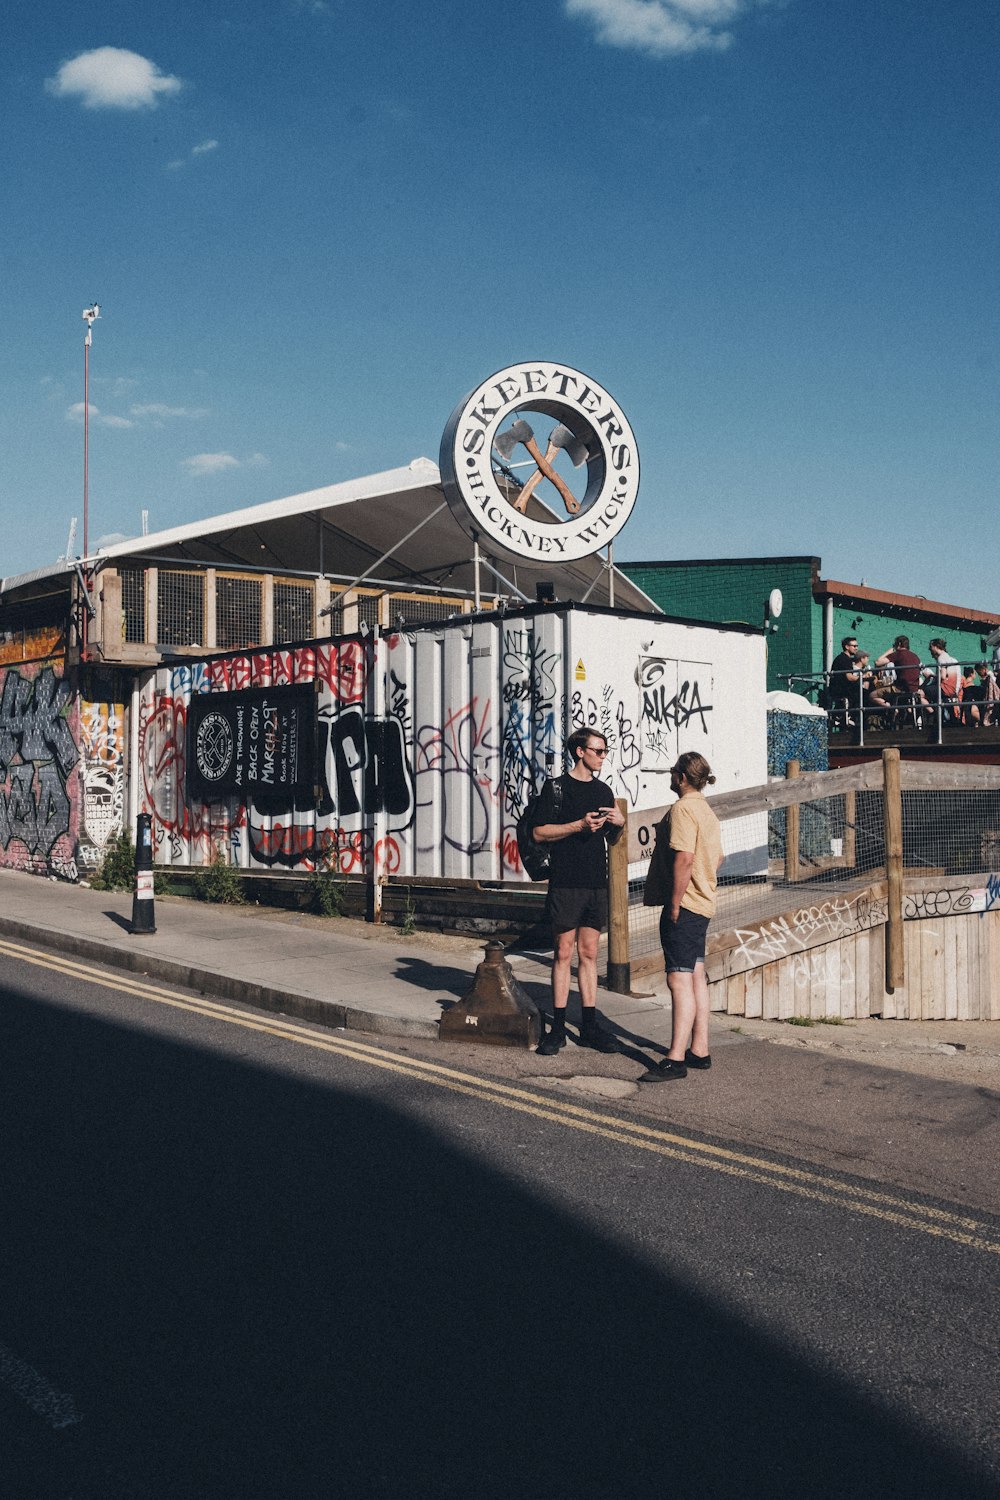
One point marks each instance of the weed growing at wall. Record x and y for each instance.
(117, 869)
(409, 925)
(221, 883)
(325, 894)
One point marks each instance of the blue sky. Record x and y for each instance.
(770, 229)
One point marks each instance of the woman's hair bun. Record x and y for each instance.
(711, 781)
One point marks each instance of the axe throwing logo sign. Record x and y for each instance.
(214, 747)
(501, 478)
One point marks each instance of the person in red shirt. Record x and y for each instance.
(906, 665)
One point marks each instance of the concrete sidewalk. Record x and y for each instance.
(340, 972)
(330, 970)
(823, 1093)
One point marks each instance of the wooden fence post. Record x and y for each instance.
(792, 829)
(850, 849)
(619, 960)
(892, 812)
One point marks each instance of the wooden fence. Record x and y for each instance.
(901, 942)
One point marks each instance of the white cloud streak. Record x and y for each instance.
(200, 464)
(112, 78)
(204, 149)
(156, 411)
(661, 28)
(102, 419)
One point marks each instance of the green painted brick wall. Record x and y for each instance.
(876, 629)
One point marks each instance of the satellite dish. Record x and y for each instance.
(774, 603)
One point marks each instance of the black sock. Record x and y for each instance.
(588, 1019)
(559, 1020)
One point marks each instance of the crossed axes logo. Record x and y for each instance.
(560, 437)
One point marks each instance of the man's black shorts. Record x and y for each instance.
(683, 941)
(569, 907)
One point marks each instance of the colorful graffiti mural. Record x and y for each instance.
(39, 787)
(102, 774)
(362, 768)
(427, 744)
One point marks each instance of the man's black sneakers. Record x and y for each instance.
(551, 1043)
(598, 1041)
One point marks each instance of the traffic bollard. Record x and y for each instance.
(496, 1009)
(143, 913)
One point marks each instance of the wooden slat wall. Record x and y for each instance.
(952, 974)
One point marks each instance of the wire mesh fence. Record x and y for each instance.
(238, 619)
(951, 832)
(293, 612)
(180, 608)
(134, 603)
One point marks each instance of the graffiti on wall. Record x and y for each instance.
(810, 926)
(38, 760)
(531, 728)
(672, 702)
(363, 770)
(362, 767)
(102, 773)
(454, 771)
(438, 778)
(606, 711)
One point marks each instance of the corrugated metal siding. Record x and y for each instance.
(432, 740)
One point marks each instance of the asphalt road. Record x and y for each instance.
(244, 1257)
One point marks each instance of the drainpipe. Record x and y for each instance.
(827, 634)
(133, 756)
(380, 651)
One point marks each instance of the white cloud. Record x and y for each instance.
(215, 463)
(112, 78)
(157, 412)
(209, 463)
(662, 28)
(201, 150)
(103, 419)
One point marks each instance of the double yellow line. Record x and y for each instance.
(890, 1208)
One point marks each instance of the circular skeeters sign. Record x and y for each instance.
(488, 446)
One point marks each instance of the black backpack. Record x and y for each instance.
(535, 857)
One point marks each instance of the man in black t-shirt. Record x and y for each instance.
(844, 691)
(577, 904)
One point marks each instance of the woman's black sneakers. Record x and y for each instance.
(693, 1061)
(663, 1072)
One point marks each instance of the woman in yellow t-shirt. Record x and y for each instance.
(694, 843)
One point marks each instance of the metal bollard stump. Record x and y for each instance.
(496, 1010)
(143, 913)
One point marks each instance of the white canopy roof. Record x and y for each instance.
(394, 526)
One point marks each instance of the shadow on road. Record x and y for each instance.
(259, 1284)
